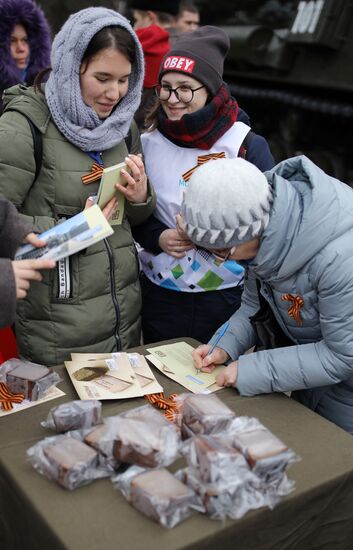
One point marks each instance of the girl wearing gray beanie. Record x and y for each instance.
(84, 114)
(188, 291)
(293, 228)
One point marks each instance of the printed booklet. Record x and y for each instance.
(107, 190)
(71, 236)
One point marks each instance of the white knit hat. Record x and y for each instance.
(227, 203)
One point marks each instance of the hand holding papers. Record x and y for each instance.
(70, 236)
(175, 361)
(107, 190)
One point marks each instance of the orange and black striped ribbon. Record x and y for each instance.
(94, 175)
(201, 160)
(166, 404)
(7, 398)
(294, 309)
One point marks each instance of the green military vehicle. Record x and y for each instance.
(291, 68)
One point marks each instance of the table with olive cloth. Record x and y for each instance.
(36, 513)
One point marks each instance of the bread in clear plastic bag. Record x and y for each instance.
(8, 365)
(146, 438)
(147, 413)
(102, 438)
(221, 476)
(74, 415)
(221, 501)
(214, 461)
(231, 484)
(67, 460)
(203, 414)
(267, 455)
(158, 494)
(31, 379)
(141, 436)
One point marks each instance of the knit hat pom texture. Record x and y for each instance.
(227, 203)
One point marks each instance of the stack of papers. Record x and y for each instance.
(111, 375)
(175, 361)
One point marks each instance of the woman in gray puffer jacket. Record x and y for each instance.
(294, 230)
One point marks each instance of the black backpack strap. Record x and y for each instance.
(243, 150)
(248, 139)
(37, 144)
(128, 141)
(38, 148)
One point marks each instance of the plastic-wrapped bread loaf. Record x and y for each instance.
(221, 476)
(213, 461)
(74, 415)
(141, 436)
(231, 500)
(67, 460)
(145, 442)
(162, 497)
(148, 414)
(30, 379)
(203, 414)
(266, 454)
(71, 458)
(102, 439)
(259, 444)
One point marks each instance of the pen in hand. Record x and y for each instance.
(220, 335)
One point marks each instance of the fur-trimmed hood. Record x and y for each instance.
(31, 16)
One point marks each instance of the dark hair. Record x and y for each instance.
(151, 118)
(109, 37)
(165, 18)
(187, 6)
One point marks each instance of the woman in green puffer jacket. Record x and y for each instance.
(91, 301)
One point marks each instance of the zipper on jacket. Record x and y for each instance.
(113, 293)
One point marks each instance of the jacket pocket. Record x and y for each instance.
(65, 281)
(63, 211)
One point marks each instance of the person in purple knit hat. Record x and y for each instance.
(25, 42)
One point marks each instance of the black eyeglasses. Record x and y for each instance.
(182, 93)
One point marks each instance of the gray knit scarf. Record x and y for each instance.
(76, 121)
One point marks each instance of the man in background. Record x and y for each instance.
(188, 18)
(155, 27)
(156, 12)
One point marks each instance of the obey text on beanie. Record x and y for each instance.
(199, 54)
